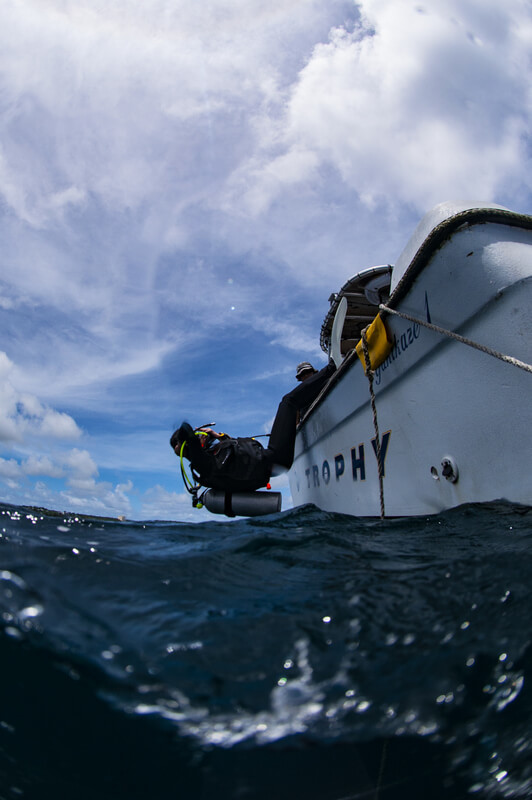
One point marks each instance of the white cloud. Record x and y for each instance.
(132, 80)
(23, 416)
(27, 424)
(289, 334)
(81, 464)
(10, 468)
(58, 425)
(82, 493)
(42, 465)
(266, 182)
(159, 503)
(417, 103)
(101, 499)
(246, 129)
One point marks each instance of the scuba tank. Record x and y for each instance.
(241, 504)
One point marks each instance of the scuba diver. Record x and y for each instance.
(229, 464)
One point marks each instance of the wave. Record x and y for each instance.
(308, 654)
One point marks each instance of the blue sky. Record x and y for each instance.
(182, 185)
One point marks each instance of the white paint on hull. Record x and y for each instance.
(435, 397)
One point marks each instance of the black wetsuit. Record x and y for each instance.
(283, 435)
(243, 464)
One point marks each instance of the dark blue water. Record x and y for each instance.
(306, 655)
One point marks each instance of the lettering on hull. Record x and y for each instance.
(402, 343)
(400, 346)
(321, 474)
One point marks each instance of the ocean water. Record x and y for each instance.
(304, 655)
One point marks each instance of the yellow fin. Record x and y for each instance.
(379, 344)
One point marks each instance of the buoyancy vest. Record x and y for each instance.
(236, 465)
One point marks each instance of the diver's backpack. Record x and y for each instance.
(238, 465)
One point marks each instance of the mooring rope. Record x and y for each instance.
(369, 373)
(464, 340)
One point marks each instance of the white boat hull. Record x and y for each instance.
(438, 401)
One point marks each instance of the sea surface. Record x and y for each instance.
(305, 655)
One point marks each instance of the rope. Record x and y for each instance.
(482, 347)
(369, 373)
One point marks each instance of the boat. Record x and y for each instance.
(441, 415)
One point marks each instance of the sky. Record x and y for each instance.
(183, 185)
